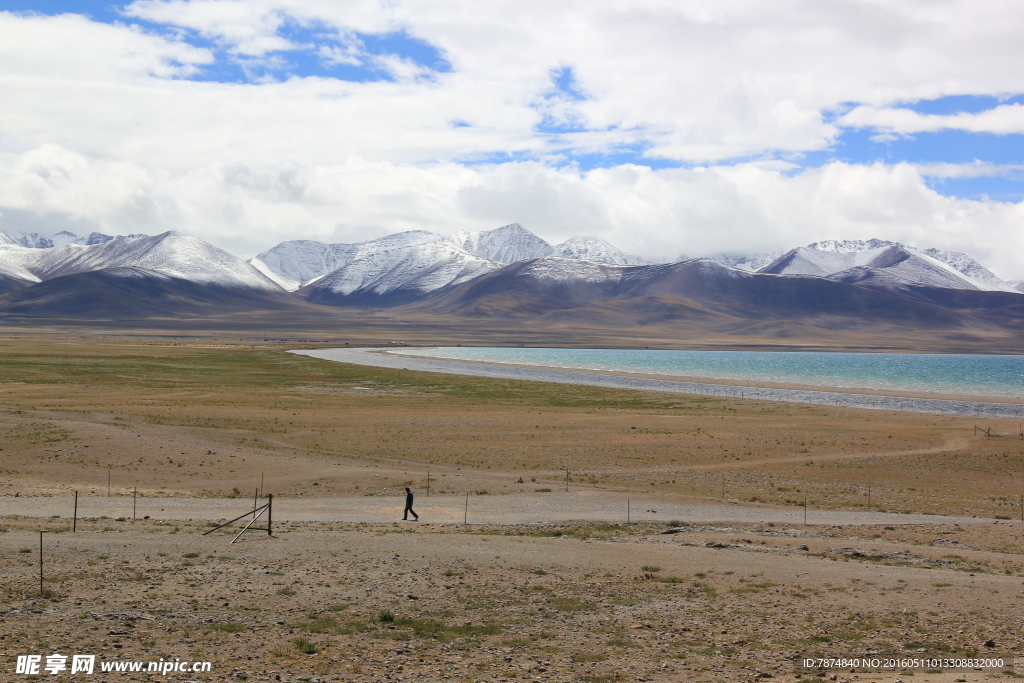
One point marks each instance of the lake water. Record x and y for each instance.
(972, 375)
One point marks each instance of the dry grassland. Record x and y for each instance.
(593, 602)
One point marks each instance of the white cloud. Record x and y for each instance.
(976, 169)
(101, 125)
(692, 81)
(1005, 118)
(658, 214)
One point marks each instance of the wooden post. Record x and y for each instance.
(108, 482)
(270, 511)
(805, 510)
(261, 481)
(627, 511)
(428, 483)
(74, 521)
(40, 563)
(869, 498)
(255, 497)
(567, 480)
(465, 517)
(135, 493)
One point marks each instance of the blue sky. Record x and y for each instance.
(637, 122)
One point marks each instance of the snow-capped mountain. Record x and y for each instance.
(862, 261)
(1018, 285)
(969, 267)
(896, 267)
(65, 237)
(598, 251)
(751, 264)
(507, 244)
(171, 254)
(406, 261)
(297, 263)
(408, 269)
(812, 261)
(31, 240)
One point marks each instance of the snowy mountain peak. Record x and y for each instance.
(849, 246)
(888, 263)
(170, 253)
(32, 240)
(597, 250)
(507, 244)
(64, 237)
(415, 267)
(297, 263)
(751, 264)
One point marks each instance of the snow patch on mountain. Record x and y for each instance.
(561, 269)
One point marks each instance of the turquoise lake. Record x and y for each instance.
(973, 375)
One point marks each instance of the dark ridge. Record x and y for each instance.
(679, 291)
(132, 293)
(12, 284)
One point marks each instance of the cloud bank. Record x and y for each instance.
(666, 129)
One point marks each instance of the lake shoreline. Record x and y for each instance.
(991, 407)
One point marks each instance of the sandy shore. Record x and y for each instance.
(994, 408)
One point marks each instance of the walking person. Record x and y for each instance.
(408, 506)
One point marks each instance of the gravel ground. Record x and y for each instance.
(374, 357)
(536, 508)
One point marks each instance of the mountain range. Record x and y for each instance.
(507, 273)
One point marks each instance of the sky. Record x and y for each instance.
(670, 129)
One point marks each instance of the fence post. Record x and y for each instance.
(74, 523)
(465, 517)
(270, 511)
(40, 563)
(135, 493)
